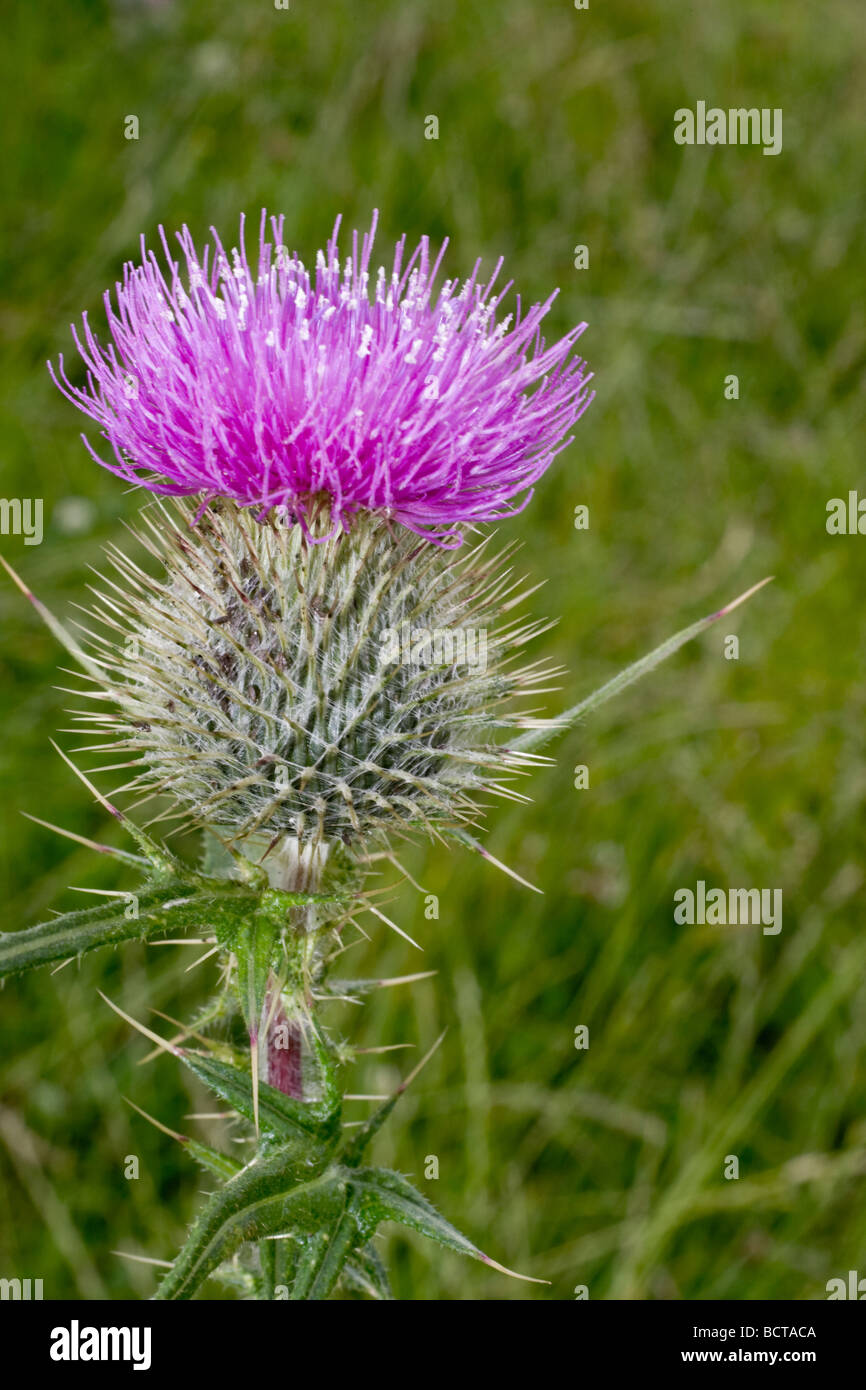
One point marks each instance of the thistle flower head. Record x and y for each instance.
(332, 692)
(270, 387)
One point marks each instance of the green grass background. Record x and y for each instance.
(601, 1167)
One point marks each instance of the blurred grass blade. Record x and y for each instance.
(353, 1151)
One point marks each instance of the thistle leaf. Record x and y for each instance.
(139, 915)
(255, 949)
(281, 1117)
(211, 1159)
(326, 1256)
(342, 989)
(267, 1268)
(365, 1273)
(312, 1249)
(284, 1193)
(388, 1196)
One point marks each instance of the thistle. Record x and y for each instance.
(280, 670)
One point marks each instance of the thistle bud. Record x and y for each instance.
(316, 687)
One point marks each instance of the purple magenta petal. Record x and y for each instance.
(270, 386)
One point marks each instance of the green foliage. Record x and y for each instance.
(163, 903)
(295, 1189)
(292, 1189)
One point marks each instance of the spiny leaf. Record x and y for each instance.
(124, 855)
(267, 1268)
(340, 989)
(211, 1159)
(463, 836)
(325, 1257)
(281, 1117)
(388, 1196)
(160, 908)
(365, 1273)
(286, 1254)
(311, 1250)
(255, 950)
(164, 863)
(282, 1193)
(223, 906)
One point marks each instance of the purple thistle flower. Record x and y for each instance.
(270, 388)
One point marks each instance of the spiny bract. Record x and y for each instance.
(327, 689)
